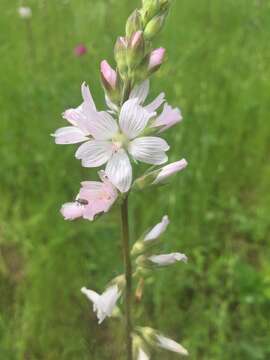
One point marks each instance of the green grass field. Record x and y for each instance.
(218, 305)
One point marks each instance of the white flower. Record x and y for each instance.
(112, 142)
(157, 229)
(103, 304)
(142, 355)
(171, 345)
(168, 117)
(25, 12)
(168, 259)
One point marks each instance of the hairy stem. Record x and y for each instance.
(128, 275)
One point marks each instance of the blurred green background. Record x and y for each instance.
(218, 305)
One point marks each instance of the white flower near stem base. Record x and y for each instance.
(168, 259)
(171, 345)
(157, 230)
(111, 142)
(142, 355)
(168, 117)
(25, 12)
(105, 303)
(95, 197)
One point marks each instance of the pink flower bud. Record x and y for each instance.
(156, 59)
(169, 117)
(108, 75)
(80, 50)
(136, 39)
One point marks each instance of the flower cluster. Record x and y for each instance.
(128, 131)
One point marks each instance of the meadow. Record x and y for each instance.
(217, 305)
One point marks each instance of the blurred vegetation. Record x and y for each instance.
(218, 306)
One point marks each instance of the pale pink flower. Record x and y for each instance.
(105, 303)
(171, 345)
(167, 259)
(168, 170)
(156, 59)
(80, 50)
(110, 141)
(95, 197)
(157, 230)
(108, 74)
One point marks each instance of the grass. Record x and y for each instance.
(218, 305)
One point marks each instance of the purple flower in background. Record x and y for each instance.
(80, 50)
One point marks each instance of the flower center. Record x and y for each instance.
(119, 141)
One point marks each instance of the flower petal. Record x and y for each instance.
(88, 103)
(94, 153)
(142, 355)
(72, 211)
(149, 149)
(103, 127)
(91, 295)
(69, 135)
(119, 170)
(171, 345)
(140, 92)
(158, 229)
(168, 259)
(155, 104)
(133, 118)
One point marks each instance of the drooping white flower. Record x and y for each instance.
(171, 345)
(103, 304)
(25, 12)
(168, 117)
(157, 230)
(167, 259)
(142, 355)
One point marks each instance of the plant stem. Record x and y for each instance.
(128, 275)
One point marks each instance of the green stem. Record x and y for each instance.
(128, 275)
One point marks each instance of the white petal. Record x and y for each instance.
(87, 97)
(168, 259)
(140, 92)
(142, 355)
(109, 299)
(119, 170)
(103, 127)
(69, 135)
(154, 105)
(171, 345)
(94, 153)
(133, 118)
(149, 149)
(91, 295)
(157, 229)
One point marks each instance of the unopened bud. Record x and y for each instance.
(168, 170)
(156, 59)
(150, 9)
(134, 23)
(135, 49)
(108, 76)
(120, 281)
(154, 27)
(120, 54)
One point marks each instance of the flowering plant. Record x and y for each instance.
(129, 131)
